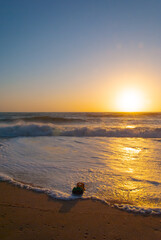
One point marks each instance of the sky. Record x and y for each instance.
(80, 55)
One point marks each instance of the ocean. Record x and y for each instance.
(116, 155)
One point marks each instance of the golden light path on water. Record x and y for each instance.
(136, 161)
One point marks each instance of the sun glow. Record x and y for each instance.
(130, 100)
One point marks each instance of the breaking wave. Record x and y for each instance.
(35, 130)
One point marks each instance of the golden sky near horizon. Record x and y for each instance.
(121, 94)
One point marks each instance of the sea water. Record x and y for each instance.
(116, 155)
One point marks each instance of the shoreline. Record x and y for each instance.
(29, 215)
(118, 205)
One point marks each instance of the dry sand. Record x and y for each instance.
(28, 215)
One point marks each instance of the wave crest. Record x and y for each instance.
(35, 130)
(115, 132)
(31, 130)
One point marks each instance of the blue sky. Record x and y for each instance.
(61, 51)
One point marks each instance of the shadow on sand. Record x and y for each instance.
(67, 206)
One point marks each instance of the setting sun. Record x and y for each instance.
(130, 100)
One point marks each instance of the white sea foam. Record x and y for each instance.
(62, 196)
(51, 193)
(137, 209)
(35, 130)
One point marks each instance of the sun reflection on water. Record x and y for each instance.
(130, 126)
(130, 150)
(133, 163)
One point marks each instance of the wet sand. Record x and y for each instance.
(31, 216)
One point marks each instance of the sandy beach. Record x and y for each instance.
(28, 215)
